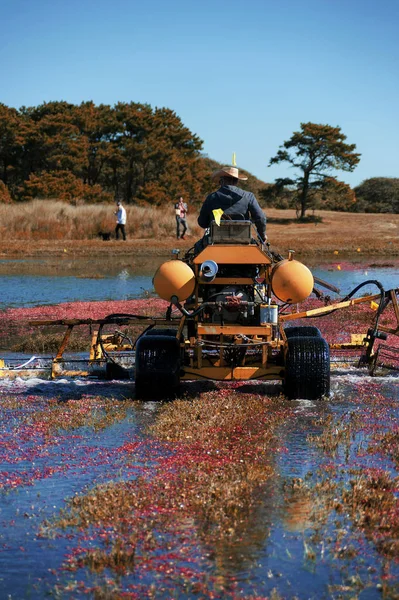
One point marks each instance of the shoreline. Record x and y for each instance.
(77, 249)
(348, 234)
(302, 246)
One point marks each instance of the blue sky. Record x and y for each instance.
(241, 75)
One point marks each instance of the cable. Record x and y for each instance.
(103, 350)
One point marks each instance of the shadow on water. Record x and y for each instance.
(64, 390)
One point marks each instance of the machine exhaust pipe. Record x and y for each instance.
(208, 271)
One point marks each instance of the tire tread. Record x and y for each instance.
(307, 368)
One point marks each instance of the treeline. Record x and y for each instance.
(141, 155)
(130, 152)
(374, 195)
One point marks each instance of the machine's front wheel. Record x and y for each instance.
(157, 368)
(307, 368)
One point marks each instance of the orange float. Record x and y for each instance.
(174, 278)
(292, 281)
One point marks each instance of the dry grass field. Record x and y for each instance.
(44, 227)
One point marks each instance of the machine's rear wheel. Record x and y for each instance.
(302, 331)
(307, 368)
(157, 365)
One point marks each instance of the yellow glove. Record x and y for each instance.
(217, 213)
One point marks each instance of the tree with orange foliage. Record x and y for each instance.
(5, 196)
(336, 195)
(157, 154)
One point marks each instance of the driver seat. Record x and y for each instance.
(233, 229)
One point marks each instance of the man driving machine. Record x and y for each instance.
(232, 200)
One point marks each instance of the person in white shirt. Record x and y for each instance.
(120, 221)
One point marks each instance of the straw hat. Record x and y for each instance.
(228, 172)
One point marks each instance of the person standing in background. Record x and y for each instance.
(181, 212)
(120, 221)
(177, 215)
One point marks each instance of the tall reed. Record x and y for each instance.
(58, 220)
(332, 232)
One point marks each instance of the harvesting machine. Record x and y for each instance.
(231, 299)
(232, 294)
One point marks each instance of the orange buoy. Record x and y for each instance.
(174, 278)
(291, 281)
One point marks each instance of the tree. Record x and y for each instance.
(335, 195)
(316, 150)
(98, 125)
(156, 154)
(55, 142)
(12, 139)
(62, 185)
(378, 194)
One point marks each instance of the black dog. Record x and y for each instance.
(104, 235)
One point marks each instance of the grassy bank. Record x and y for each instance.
(52, 227)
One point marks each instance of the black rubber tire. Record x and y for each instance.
(157, 368)
(302, 331)
(307, 368)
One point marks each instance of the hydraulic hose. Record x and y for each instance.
(113, 316)
(349, 296)
(382, 303)
(372, 281)
(175, 301)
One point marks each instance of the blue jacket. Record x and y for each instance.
(233, 200)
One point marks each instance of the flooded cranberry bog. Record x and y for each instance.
(228, 491)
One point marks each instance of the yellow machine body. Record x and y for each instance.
(216, 329)
(233, 255)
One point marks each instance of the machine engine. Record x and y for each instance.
(234, 304)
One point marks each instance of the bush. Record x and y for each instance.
(378, 195)
(64, 186)
(5, 196)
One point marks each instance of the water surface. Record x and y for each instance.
(34, 282)
(279, 548)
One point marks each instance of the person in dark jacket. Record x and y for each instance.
(232, 200)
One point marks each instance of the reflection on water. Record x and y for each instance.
(303, 534)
